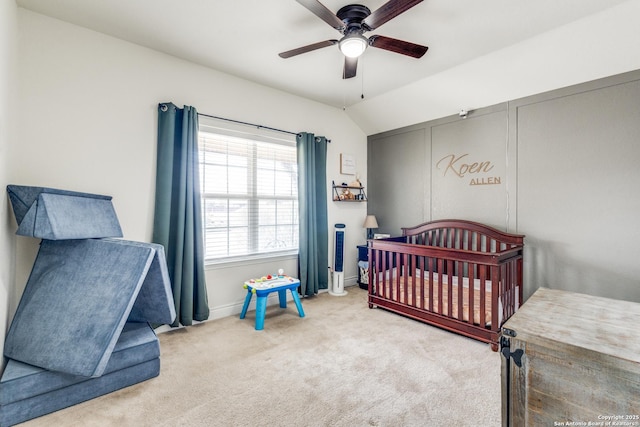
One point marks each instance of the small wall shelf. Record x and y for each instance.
(348, 193)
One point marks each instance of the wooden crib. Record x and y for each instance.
(459, 275)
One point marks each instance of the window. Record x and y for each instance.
(249, 195)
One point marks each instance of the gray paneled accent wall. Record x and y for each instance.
(560, 167)
(398, 180)
(468, 168)
(446, 168)
(579, 189)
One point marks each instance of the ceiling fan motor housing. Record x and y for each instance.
(352, 15)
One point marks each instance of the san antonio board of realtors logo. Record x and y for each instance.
(459, 166)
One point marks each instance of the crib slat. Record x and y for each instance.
(373, 272)
(418, 292)
(460, 291)
(382, 261)
(503, 288)
(495, 292)
(483, 295)
(370, 281)
(397, 281)
(511, 268)
(430, 284)
(414, 269)
(472, 289)
(440, 268)
(508, 307)
(518, 284)
(398, 278)
(384, 277)
(375, 268)
(520, 279)
(508, 292)
(450, 288)
(423, 281)
(512, 280)
(393, 279)
(406, 258)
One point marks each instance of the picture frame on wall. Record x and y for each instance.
(347, 164)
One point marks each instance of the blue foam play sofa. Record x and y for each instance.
(81, 328)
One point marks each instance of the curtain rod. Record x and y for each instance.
(251, 124)
(248, 124)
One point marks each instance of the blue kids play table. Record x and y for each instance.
(263, 287)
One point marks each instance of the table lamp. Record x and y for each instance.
(370, 223)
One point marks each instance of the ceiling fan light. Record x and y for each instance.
(353, 45)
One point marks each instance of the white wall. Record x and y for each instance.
(8, 35)
(597, 46)
(88, 123)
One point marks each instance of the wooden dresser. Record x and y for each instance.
(571, 359)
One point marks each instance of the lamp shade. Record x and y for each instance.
(370, 222)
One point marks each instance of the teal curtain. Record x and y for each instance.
(177, 223)
(313, 262)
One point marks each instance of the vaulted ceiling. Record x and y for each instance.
(244, 37)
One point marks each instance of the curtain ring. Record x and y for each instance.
(164, 108)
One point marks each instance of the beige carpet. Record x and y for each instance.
(342, 365)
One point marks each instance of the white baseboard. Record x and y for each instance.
(236, 308)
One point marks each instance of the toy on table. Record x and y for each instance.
(268, 281)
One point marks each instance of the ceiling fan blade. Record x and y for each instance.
(323, 13)
(398, 46)
(308, 48)
(388, 11)
(350, 67)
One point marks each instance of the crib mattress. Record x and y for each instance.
(415, 298)
(27, 391)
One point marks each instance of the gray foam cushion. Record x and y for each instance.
(75, 304)
(38, 405)
(53, 214)
(137, 344)
(155, 299)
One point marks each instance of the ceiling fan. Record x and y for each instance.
(353, 21)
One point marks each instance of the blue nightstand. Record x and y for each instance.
(363, 266)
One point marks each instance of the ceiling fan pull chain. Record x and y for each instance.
(362, 80)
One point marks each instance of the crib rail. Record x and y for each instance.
(458, 275)
(461, 235)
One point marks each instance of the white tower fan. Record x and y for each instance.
(337, 282)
